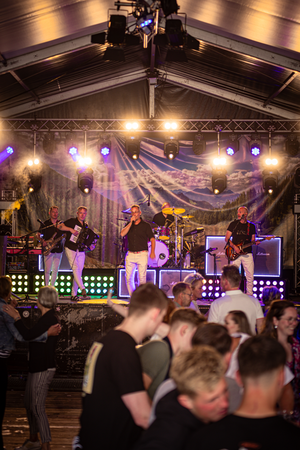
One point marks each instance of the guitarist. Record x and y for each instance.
(52, 260)
(242, 232)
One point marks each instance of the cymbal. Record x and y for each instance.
(187, 217)
(172, 211)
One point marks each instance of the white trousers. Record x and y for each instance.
(76, 261)
(133, 261)
(51, 263)
(248, 264)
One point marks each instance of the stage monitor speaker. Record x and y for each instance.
(169, 277)
(122, 288)
(3, 246)
(267, 256)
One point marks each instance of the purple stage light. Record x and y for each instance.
(105, 151)
(9, 150)
(230, 151)
(255, 151)
(73, 151)
(6, 153)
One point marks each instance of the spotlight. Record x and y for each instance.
(105, 148)
(292, 145)
(84, 162)
(171, 126)
(271, 162)
(85, 180)
(132, 126)
(6, 153)
(199, 144)
(232, 145)
(132, 146)
(169, 7)
(219, 181)
(116, 29)
(114, 54)
(146, 23)
(171, 148)
(270, 181)
(219, 162)
(34, 182)
(255, 147)
(9, 150)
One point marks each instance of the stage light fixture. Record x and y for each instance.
(84, 162)
(98, 38)
(271, 162)
(114, 54)
(171, 148)
(292, 145)
(219, 181)
(85, 180)
(199, 145)
(132, 126)
(171, 125)
(105, 148)
(169, 7)
(34, 182)
(6, 153)
(219, 162)
(232, 145)
(132, 146)
(145, 23)
(270, 181)
(255, 147)
(116, 29)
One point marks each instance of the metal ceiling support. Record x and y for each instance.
(227, 95)
(242, 127)
(75, 93)
(40, 55)
(24, 86)
(255, 50)
(285, 84)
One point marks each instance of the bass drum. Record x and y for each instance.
(161, 254)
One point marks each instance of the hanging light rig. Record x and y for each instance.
(219, 177)
(35, 160)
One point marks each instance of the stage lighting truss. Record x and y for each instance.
(85, 180)
(199, 144)
(292, 145)
(219, 180)
(171, 148)
(270, 180)
(132, 147)
(232, 145)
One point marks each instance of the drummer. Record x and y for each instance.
(161, 219)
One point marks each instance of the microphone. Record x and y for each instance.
(212, 249)
(42, 223)
(149, 200)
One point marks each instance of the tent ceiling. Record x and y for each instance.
(249, 54)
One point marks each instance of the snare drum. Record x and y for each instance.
(161, 254)
(164, 233)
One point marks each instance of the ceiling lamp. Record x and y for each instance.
(219, 181)
(171, 148)
(232, 145)
(105, 147)
(132, 146)
(270, 181)
(255, 147)
(34, 182)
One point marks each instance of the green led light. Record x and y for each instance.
(92, 278)
(111, 278)
(86, 278)
(92, 291)
(105, 285)
(19, 290)
(19, 276)
(69, 277)
(62, 290)
(111, 284)
(62, 277)
(98, 291)
(13, 283)
(19, 283)
(37, 283)
(99, 284)
(92, 284)
(13, 277)
(26, 277)
(68, 284)
(68, 291)
(99, 278)
(25, 283)
(62, 284)
(105, 278)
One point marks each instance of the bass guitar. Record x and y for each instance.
(52, 243)
(233, 255)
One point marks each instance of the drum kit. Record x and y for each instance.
(171, 248)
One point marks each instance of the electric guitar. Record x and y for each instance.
(52, 243)
(232, 255)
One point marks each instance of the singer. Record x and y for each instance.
(52, 260)
(239, 235)
(139, 233)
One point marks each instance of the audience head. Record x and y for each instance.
(281, 319)
(237, 322)
(195, 280)
(230, 278)
(270, 293)
(182, 294)
(183, 324)
(48, 297)
(216, 336)
(199, 377)
(260, 359)
(5, 287)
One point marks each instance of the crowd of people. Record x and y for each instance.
(169, 377)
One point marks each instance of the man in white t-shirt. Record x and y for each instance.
(235, 299)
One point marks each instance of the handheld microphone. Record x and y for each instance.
(42, 223)
(212, 249)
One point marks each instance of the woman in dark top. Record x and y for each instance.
(41, 368)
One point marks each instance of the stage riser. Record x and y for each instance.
(81, 326)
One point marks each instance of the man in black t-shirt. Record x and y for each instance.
(47, 237)
(74, 252)
(163, 220)
(138, 233)
(256, 423)
(115, 404)
(243, 234)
